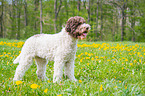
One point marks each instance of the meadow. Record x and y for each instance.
(102, 69)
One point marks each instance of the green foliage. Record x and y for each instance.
(109, 11)
(112, 68)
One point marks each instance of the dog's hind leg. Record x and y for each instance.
(24, 63)
(41, 68)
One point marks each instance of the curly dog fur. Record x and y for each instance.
(60, 47)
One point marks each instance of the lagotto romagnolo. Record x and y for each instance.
(60, 47)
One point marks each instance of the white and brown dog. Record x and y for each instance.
(60, 47)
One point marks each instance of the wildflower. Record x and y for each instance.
(79, 55)
(34, 86)
(101, 88)
(108, 60)
(89, 54)
(131, 64)
(9, 53)
(88, 64)
(119, 81)
(1, 55)
(96, 56)
(59, 95)
(48, 81)
(81, 60)
(140, 60)
(87, 57)
(18, 82)
(92, 59)
(80, 81)
(126, 59)
(46, 90)
(125, 87)
(6, 55)
(115, 87)
(122, 68)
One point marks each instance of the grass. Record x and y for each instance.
(102, 69)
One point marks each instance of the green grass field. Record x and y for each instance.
(102, 69)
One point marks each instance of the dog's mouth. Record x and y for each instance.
(83, 35)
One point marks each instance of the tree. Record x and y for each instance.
(57, 9)
(1, 19)
(41, 26)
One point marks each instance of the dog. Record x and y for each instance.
(60, 48)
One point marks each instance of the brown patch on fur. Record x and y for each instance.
(72, 24)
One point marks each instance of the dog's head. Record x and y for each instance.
(77, 27)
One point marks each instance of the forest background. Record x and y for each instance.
(110, 20)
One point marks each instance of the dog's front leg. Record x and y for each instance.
(69, 70)
(58, 70)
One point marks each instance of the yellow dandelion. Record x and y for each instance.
(125, 87)
(115, 87)
(140, 60)
(18, 82)
(6, 55)
(108, 60)
(101, 88)
(34, 86)
(59, 95)
(81, 60)
(122, 68)
(92, 58)
(119, 81)
(48, 81)
(45, 91)
(114, 61)
(134, 61)
(131, 64)
(1, 55)
(126, 59)
(86, 53)
(96, 56)
(4, 52)
(88, 64)
(80, 81)
(87, 57)
(89, 54)
(9, 53)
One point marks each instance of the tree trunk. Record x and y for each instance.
(123, 21)
(41, 27)
(18, 13)
(97, 17)
(36, 2)
(101, 22)
(79, 4)
(1, 20)
(25, 14)
(12, 35)
(88, 10)
(56, 13)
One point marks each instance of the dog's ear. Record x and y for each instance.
(73, 23)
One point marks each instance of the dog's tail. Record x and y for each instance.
(17, 60)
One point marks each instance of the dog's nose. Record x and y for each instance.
(87, 28)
